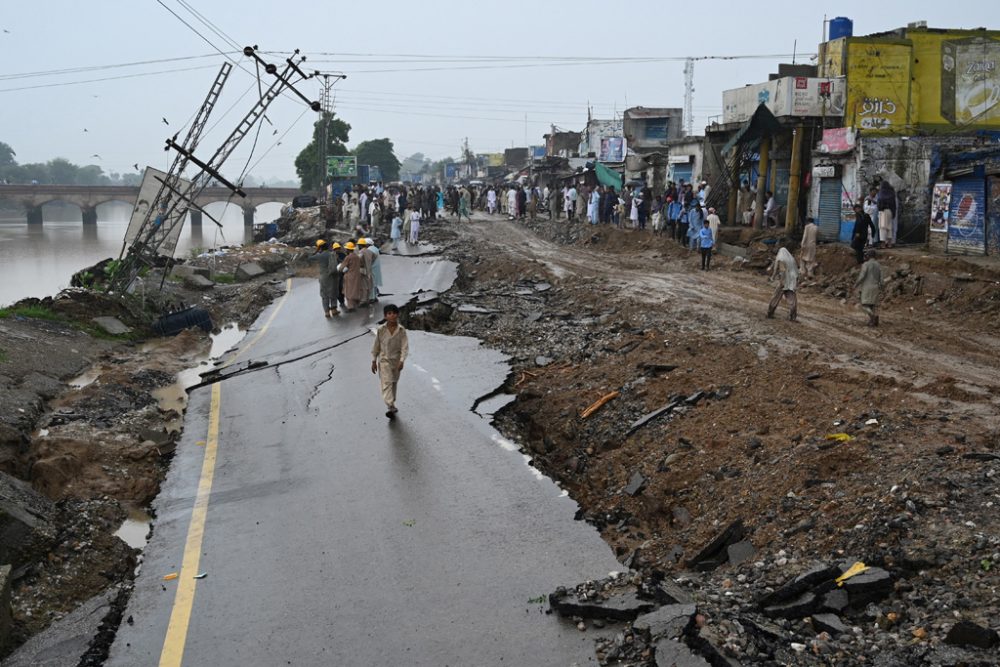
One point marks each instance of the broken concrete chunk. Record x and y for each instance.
(620, 607)
(835, 600)
(670, 653)
(740, 552)
(542, 361)
(804, 582)
(669, 621)
(198, 282)
(672, 594)
(636, 485)
(186, 271)
(800, 607)
(707, 643)
(715, 551)
(248, 271)
(830, 623)
(67, 640)
(642, 421)
(870, 586)
(111, 325)
(26, 528)
(967, 633)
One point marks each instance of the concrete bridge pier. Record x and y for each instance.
(196, 217)
(89, 215)
(34, 214)
(248, 212)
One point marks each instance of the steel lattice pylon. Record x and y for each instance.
(175, 196)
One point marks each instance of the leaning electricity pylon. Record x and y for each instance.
(163, 218)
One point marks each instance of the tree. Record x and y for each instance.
(379, 152)
(62, 172)
(7, 155)
(412, 166)
(307, 164)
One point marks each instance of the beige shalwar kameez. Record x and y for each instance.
(389, 352)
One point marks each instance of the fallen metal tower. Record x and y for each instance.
(165, 214)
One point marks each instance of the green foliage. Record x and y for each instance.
(224, 278)
(32, 312)
(58, 171)
(194, 252)
(379, 152)
(3, 356)
(307, 164)
(539, 600)
(7, 155)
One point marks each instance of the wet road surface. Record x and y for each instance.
(328, 535)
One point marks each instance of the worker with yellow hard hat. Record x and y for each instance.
(329, 278)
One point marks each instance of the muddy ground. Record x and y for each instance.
(831, 442)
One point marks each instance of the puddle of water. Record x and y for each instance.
(134, 529)
(174, 396)
(81, 381)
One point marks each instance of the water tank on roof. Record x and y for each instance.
(841, 27)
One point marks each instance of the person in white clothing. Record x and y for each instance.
(491, 201)
(414, 226)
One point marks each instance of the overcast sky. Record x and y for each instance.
(485, 68)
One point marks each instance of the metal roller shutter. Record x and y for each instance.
(967, 217)
(829, 209)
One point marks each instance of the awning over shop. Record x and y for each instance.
(761, 124)
(608, 177)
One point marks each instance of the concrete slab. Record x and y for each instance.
(249, 271)
(64, 642)
(111, 325)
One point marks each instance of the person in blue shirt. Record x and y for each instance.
(707, 239)
(695, 219)
(674, 210)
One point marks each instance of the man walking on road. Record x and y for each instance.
(859, 237)
(784, 265)
(388, 355)
(870, 283)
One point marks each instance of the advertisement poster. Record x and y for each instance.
(341, 166)
(970, 80)
(451, 171)
(612, 149)
(966, 224)
(837, 140)
(940, 206)
(880, 82)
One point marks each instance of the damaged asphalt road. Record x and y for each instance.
(333, 536)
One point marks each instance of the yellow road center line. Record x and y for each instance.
(172, 654)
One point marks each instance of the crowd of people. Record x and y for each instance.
(680, 213)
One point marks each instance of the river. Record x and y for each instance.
(39, 260)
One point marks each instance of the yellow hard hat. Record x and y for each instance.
(349, 246)
(362, 241)
(335, 246)
(320, 243)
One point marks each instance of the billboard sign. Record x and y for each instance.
(798, 96)
(451, 171)
(341, 166)
(166, 224)
(612, 149)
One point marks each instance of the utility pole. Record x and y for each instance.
(325, 116)
(689, 96)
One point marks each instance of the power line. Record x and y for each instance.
(93, 68)
(108, 78)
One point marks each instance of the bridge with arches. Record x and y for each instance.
(89, 197)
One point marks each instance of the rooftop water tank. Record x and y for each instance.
(841, 27)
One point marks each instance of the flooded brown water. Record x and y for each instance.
(39, 260)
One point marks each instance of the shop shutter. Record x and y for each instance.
(829, 209)
(967, 217)
(993, 217)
